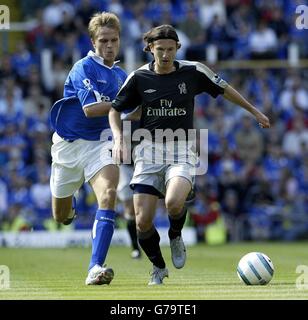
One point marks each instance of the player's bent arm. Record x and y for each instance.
(134, 115)
(97, 110)
(234, 96)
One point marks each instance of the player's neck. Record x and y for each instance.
(161, 70)
(108, 63)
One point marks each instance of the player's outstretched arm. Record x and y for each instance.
(234, 96)
(97, 110)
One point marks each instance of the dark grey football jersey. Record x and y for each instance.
(167, 100)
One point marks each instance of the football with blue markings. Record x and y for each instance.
(255, 268)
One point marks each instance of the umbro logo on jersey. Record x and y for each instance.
(149, 91)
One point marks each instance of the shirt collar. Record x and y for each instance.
(100, 60)
(175, 63)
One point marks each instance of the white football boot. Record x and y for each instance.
(178, 252)
(158, 275)
(99, 275)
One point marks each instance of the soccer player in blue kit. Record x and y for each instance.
(82, 141)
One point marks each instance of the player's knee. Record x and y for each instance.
(173, 206)
(107, 197)
(143, 225)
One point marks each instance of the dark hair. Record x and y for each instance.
(164, 31)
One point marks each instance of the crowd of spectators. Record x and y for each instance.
(257, 179)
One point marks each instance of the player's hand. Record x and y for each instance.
(263, 120)
(117, 151)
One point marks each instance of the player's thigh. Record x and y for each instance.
(99, 168)
(145, 209)
(177, 191)
(67, 175)
(64, 182)
(105, 181)
(97, 156)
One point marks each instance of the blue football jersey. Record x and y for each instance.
(89, 82)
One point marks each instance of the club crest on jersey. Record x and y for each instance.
(182, 87)
(87, 84)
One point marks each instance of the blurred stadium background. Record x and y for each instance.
(256, 187)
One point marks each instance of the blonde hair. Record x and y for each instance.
(103, 19)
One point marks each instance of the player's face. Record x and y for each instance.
(107, 44)
(164, 51)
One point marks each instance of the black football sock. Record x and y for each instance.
(149, 242)
(176, 224)
(131, 228)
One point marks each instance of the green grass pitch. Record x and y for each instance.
(209, 273)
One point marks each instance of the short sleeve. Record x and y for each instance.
(128, 97)
(84, 82)
(209, 81)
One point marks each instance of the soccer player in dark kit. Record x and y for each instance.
(165, 89)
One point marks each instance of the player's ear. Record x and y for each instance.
(178, 45)
(93, 43)
(151, 47)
